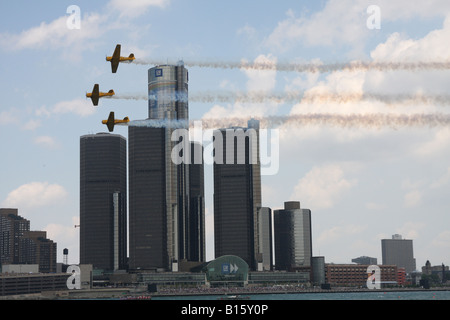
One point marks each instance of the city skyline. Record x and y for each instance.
(361, 184)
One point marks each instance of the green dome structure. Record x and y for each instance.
(227, 270)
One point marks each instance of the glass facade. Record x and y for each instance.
(227, 269)
(237, 196)
(166, 199)
(103, 179)
(399, 252)
(168, 92)
(293, 245)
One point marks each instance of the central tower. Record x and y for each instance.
(161, 209)
(168, 92)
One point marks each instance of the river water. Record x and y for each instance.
(364, 295)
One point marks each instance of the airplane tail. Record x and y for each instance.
(131, 55)
(111, 91)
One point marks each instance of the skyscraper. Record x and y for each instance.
(103, 201)
(399, 252)
(237, 192)
(165, 227)
(293, 239)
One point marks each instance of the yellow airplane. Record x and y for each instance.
(111, 122)
(96, 94)
(116, 58)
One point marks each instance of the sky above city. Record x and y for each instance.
(364, 175)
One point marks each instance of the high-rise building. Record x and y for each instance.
(293, 237)
(166, 207)
(19, 245)
(103, 201)
(399, 252)
(12, 228)
(237, 192)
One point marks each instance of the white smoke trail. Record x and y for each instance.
(310, 67)
(130, 96)
(368, 121)
(295, 97)
(159, 123)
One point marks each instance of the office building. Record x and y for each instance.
(166, 208)
(19, 245)
(103, 201)
(357, 274)
(293, 237)
(399, 252)
(237, 192)
(318, 270)
(35, 248)
(12, 229)
(365, 260)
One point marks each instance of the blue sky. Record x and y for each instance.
(362, 184)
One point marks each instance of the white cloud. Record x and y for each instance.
(66, 236)
(338, 232)
(410, 230)
(435, 145)
(32, 124)
(257, 81)
(412, 199)
(442, 240)
(57, 35)
(323, 186)
(133, 8)
(46, 142)
(343, 22)
(35, 194)
(441, 181)
(339, 22)
(262, 80)
(80, 107)
(59, 231)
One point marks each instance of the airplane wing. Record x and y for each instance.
(95, 95)
(115, 59)
(110, 123)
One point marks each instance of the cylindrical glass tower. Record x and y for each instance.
(168, 92)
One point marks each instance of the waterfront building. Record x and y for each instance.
(103, 201)
(19, 245)
(399, 252)
(237, 193)
(293, 237)
(355, 275)
(166, 199)
(12, 228)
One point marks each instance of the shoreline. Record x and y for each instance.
(136, 294)
(304, 291)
